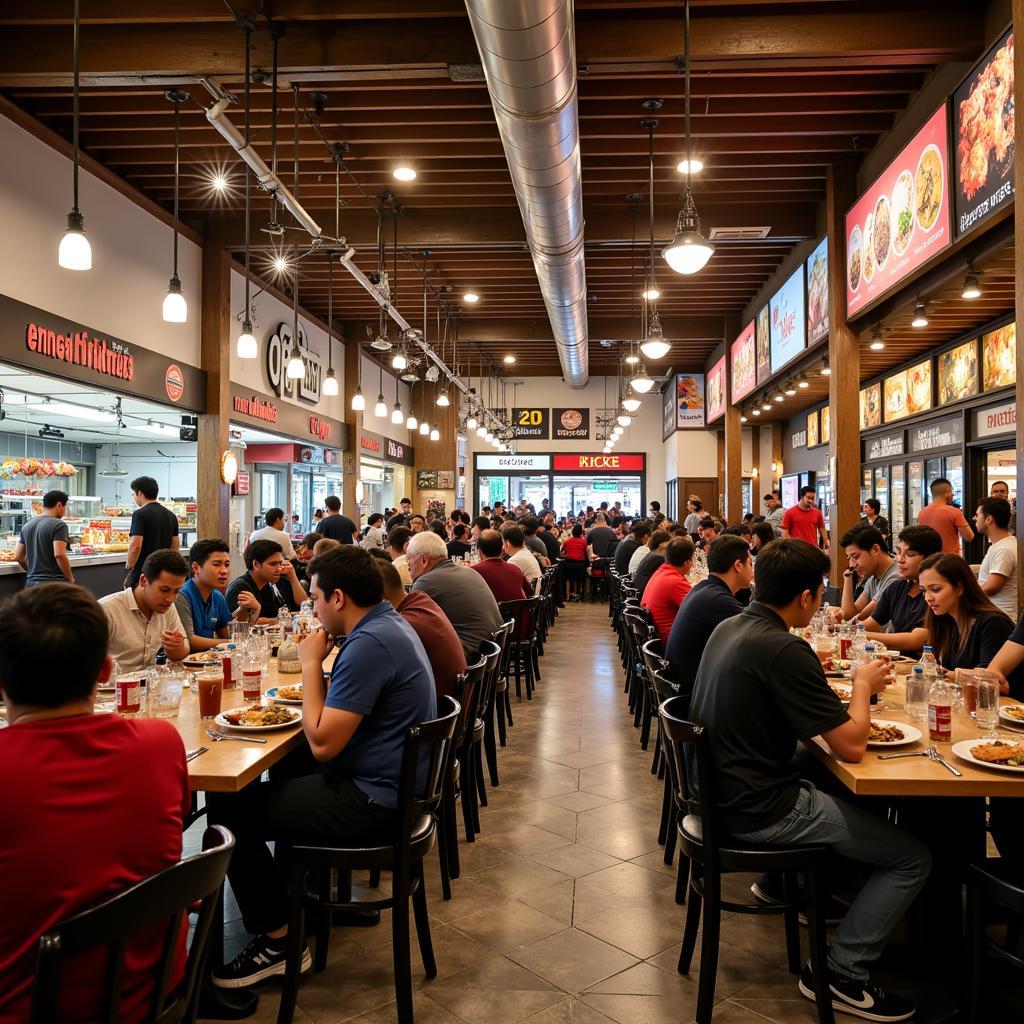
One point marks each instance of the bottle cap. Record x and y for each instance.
(927, 649)
(917, 668)
(869, 647)
(231, 647)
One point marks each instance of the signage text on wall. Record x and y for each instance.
(276, 353)
(996, 419)
(599, 462)
(531, 422)
(939, 434)
(569, 424)
(883, 447)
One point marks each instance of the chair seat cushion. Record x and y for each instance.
(370, 856)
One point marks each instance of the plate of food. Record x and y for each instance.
(892, 734)
(998, 754)
(1013, 714)
(868, 254)
(902, 206)
(258, 718)
(854, 250)
(883, 232)
(286, 694)
(203, 659)
(842, 692)
(928, 187)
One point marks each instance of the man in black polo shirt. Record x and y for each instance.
(402, 518)
(759, 690)
(269, 585)
(637, 539)
(153, 528)
(712, 601)
(334, 524)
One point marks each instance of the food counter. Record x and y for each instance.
(101, 574)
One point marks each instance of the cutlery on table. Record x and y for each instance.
(934, 754)
(191, 755)
(218, 736)
(905, 753)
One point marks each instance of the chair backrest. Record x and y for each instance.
(491, 653)
(653, 653)
(502, 637)
(525, 612)
(465, 692)
(164, 898)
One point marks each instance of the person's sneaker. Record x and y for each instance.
(859, 998)
(258, 960)
(768, 889)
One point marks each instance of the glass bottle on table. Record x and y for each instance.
(916, 700)
(940, 710)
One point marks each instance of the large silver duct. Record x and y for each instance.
(528, 52)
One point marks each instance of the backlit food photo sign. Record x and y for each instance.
(902, 220)
(786, 321)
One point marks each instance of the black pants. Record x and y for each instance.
(299, 804)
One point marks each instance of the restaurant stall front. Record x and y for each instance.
(384, 472)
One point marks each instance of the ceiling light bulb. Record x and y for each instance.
(632, 359)
(766, 405)
(509, 360)
(424, 428)
(778, 396)
(972, 290)
(790, 389)
(623, 419)
(920, 316)
(219, 182)
(743, 417)
(877, 342)
(411, 422)
(471, 297)
(246, 347)
(175, 306)
(689, 250)
(691, 166)
(358, 400)
(755, 411)
(404, 173)
(641, 383)
(488, 436)
(380, 410)
(397, 416)
(631, 404)
(606, 450)
(826, 370)
(443, 400)
(803, 382)
(399, 361)
(280, 264)
(616, 431)
(331, 384)
(471, 422)
(655, 348)
(435, 434)
(481, 431)
(295, 370)
(651, 293)
(75, 252)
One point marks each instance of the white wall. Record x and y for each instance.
(174, 471)
(131, 251)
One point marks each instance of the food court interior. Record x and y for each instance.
(545, 254)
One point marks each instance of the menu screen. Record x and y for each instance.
(744, 367)
(787, 322)
(902, 220)
(983, 113)
(764, 346)
(716, 390)
(817, 293)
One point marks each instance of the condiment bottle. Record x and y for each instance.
(940, 710)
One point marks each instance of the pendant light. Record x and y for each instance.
(245, 346)
(641, 383)
(435, 434)
(630, 403)
(175, 306)
(397, 416)
(295, 369)
(690, 250)
(331, 380)
(442, 396)
(411, 422)
(654, 345)
(380, 410)
(74, 252)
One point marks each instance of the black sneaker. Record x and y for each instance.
(859, 998)
(767, 892)
(257, 961)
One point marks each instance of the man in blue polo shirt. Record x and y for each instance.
(381, 685)
(201, 604)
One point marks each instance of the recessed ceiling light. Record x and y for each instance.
(695, 166)
(509, 360)
(471, 297)
(219, 182)
(404, 173)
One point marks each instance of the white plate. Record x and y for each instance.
(910, 734)
(1009, 720)
(225, 724)
(191, 662)
(272, 695)
(963, 751)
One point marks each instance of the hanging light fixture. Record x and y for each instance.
(877, 341)
(435, 435)
(175, 306)
(481, 431)
(766, 403)
(245, 346)
(397, 415)
(641, 383)
(606, 450)
(424, 428)
(971, 289)
(471, 422)
(920, 315)
(399, 361)
(690, 250)
(826, 370)
(630, 403)
(778, 397)
(743, 416)
(755, 411)
(803, 382)
(75, 252)
(411, 423)
(296, 369)
(380, 410)
(654, 345)
(623, 419)
(790, 389)
(442, 398)
(331, 380)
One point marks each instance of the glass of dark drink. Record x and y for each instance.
(210, 686)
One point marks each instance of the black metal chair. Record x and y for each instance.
(598, 575)
(992, 885)
(490, 653)
(502, 704)
(494, 710)
(523, 641)
(652, 652)
(713, 853)
(165, 898)
(641, 628)
(418, 800)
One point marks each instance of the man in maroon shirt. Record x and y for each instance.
(96, 803)
(804, 520)
(506, 580)
(436, 633)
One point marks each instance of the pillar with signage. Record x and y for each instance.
(436, 462)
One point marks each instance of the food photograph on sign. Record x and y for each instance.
(919, 387)
(958, 373)
(983, 112)
(895, 393)
(812, 429)
(689, 400)
(817, 293)
(826, 425)
(716, 390)
(999, 358)
(871, 406)
(787, 321)
(744, 365)
(764, 345)
(902, 220)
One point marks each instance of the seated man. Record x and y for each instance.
(869, 561)
(530, 525)
(761, 534)
(274, 530)
(257, 590)
(730, 570)
(505, 579)
(303, 556)
(398, 542)
(901, 606)
(356, 726)
(142, 619)
(436, 633)
(201, 604)
(98, 806)
(520, 556)
(462, 594)
(759, 690)
(601, 537)
(628, 545)
(709, 530)
(669, 586)
(459, 546)
(650, 562)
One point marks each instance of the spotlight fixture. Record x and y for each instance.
(766, 404)
(509, 360)
(779, 397)
(399, 360)
(424, 428)
(971, 290)
(691, 166)
(803, 382)
(404, 173)
(471, 298)
(755, 411)
(826, 370)
(743, 417)
(74, 252)
(175, 309)
(790, 389)
(331, 384)
(397, 416)
(358, 399)
(877, 341)
(920, 315)
(380, 410)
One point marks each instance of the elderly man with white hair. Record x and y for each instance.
(463, 595)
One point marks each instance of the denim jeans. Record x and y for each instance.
(900, 860)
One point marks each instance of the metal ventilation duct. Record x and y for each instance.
(528, 52)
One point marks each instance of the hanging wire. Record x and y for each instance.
(248, 130)
(686, 71)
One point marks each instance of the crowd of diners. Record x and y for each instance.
(407, 601)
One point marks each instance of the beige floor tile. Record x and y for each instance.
(575, 861)
(642, 1009)
(572, 959)
(517, 924)
(638, 930)
(629, 879)
(577, 801)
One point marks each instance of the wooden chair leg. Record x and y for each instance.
(419, 906)
(690, 928)
(792, 923)
(400, 950)
(295, 944)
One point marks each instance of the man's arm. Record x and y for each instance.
(298, 594)
(21, 556)
(912, 641)
(328, 730)
(823, 534)
(851, 608)
(995, 582)
(849, 740)
(174, 640)
(134, 548)
(60, 554)
(1010, 655)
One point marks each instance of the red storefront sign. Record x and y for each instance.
(319, 428)
(599, 463)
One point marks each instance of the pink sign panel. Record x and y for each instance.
(716, 390)
(902, 220)
(744, 364)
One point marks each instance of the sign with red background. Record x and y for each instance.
(744, 363)
(599, 463)
(716, 390)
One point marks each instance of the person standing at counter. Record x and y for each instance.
(154, 528)
(942, 515)
(42, 550)
(334, 524)
(274, 530)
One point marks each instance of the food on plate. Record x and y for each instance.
(987, 123)
(1000, 357)
(205, 657)
(289, 692)
(259, 714)
(885, 733)
(868, 255)
(997, 752)
(842, 693)
(902, 204)
(883, 231)
(1014, 712)
(855, 258)
(928, 188)
(817, 299)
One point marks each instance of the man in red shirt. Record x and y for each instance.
(96, 803)
(942, 515)
(506, 580)
(436, 633)
(804, 521)
(669, 585)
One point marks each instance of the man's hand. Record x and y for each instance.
(875, 674)
(1004, 685)
(172, 638)
(313, 648)
(288, 571)
(247, 601)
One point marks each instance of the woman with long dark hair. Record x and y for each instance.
(966, 628)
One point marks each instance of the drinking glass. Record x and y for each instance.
(967, 684)
(210, 686)
(165, 689)
(823, 647)
(237, 631)
(986, 713)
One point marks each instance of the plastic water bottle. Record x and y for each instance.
(929, 666)
(916, 700)
(865, 655)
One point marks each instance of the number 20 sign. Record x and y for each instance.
(528, 422)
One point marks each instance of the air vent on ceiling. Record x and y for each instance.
(466, 72)
(737, 234)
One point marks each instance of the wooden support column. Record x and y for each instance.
(844, 382)
(720, 511)
(757, 482)
(212, 495)
(733, 436)
(1018, 183)
(436, 455)
(776, 468)
(353, 421)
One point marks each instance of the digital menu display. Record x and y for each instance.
(787, 322)
(983, 117)
(817, 293)
(744, 363)
(716, 390)
(764, 345)
(902, 220)
(689, 400)
(789, 487)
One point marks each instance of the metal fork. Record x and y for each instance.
(934, 754)
(218, 736)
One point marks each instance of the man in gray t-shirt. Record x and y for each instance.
(43, 547)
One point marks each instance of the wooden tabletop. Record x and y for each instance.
(919, 776)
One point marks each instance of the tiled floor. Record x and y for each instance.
(564, 911)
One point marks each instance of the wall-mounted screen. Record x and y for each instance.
(744, 363)
(817, 293)
(787, 321)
